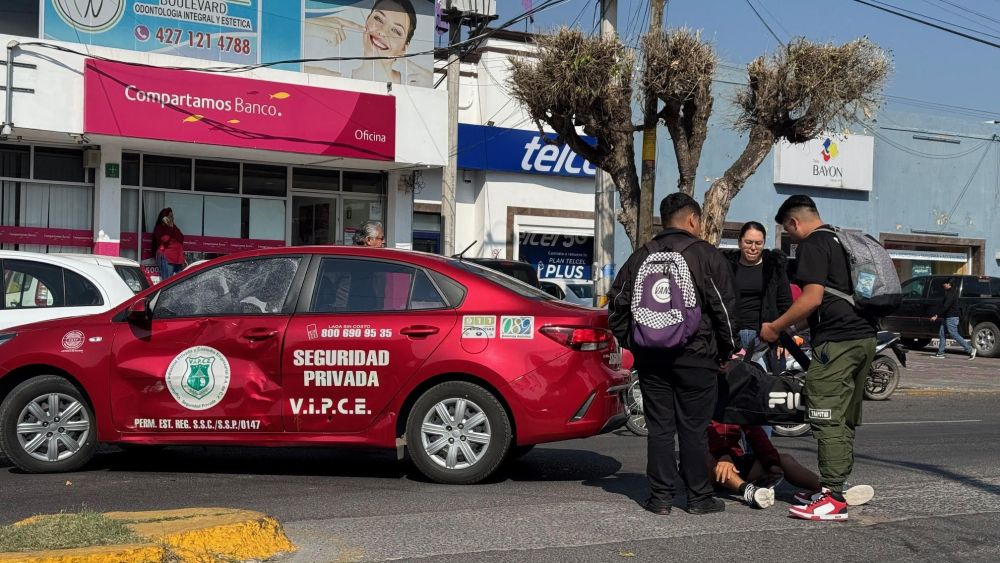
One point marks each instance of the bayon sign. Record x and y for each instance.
(834, 161)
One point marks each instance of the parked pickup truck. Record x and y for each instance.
(979, 303)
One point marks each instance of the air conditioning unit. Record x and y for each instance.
(487, 8)
(91, 158)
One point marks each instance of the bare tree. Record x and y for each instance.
(678, 72)
(576, 81)
(797, 94)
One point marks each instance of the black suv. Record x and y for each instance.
(979, 316)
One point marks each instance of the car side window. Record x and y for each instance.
(80, 292)
(936, 290)
(353, 286)
(995, 287)
(976, 287)
(30, 285)
(258, 286)
(915, 288)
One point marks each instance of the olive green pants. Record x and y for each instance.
(835, 389)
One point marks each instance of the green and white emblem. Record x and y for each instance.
(198, 378)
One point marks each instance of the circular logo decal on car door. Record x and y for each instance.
(198, 378)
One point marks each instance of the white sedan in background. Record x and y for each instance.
(579, 292)
(40, 287)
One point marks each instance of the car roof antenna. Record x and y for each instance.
(461, 254)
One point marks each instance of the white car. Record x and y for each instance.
(580, 292)
(40, 287)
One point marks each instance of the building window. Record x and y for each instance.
(166, 172)
(261, 179)
(130, 169)
(316, 179)
(15, 161)
(60, 165)
(34, 211)
(19, 17)
(364, 182)
(217, 176)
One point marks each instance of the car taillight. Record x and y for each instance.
(581, 338)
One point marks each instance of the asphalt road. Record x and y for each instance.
(932, 456)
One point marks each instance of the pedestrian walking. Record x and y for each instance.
(370, 233)
(843, 345)
(169, 241)
(672, 307)
(948, 313)
(763, 292)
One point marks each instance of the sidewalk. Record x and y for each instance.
(953, 373)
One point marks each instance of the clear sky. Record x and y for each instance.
(930, 65)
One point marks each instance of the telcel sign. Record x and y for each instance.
(517, 150)
(835, 161)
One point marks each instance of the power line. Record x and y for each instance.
(768, 26)
(930, 24)
(932, 18)
(961, 15)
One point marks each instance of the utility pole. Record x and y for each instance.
(450, 176)
(604, 196)
(476, 15)
(647, 186)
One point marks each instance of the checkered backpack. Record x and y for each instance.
(665, 309)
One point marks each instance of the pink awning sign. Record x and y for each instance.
(198, 107)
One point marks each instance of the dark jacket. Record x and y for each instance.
(949, 305)
(777, 297)
(716, 338)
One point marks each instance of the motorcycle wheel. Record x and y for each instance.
(636, 422)
(883, 377)
(791, 430)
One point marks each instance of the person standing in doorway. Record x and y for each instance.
(679, 384)
(948, 313)
(762, 287)
(843, 347)
(169, 241)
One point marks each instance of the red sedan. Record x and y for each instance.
(458, 366)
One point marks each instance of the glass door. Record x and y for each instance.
(315, 220)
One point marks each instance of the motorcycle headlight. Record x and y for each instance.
(7, 337)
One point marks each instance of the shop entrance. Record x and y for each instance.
(325, 219)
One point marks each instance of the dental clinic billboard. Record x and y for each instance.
(196, 107)
(399, 33)
(837, 161)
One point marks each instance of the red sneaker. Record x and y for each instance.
(824, 508)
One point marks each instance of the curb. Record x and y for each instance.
(197, 535)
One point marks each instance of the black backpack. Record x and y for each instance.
(750, 396)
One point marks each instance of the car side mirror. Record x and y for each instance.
(139, 312)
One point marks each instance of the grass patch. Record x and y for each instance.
(66, 530)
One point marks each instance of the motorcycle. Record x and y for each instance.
(883, 378)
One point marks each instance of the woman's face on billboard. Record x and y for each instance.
(386, 30)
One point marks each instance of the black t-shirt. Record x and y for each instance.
(821, 260)
(749, 292)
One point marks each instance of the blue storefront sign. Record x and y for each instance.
(482, 147)
(558, 256)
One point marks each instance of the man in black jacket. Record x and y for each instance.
(679, 385)
(949, 314)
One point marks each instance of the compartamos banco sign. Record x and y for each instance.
(196, 107)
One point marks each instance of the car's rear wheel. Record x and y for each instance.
(47, 426)
(457, 433)
(986, 339)
(916, 343)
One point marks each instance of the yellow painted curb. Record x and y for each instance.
(196, 535)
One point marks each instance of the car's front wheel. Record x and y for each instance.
(457, 433)
(47, 426)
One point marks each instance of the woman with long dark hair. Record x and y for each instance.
(762, 287)
(169, 243)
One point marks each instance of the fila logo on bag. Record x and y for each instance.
(791, 401)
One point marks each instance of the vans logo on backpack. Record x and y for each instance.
(661, 291)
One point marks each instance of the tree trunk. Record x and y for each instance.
(723, 190)
(647, 195)
(627, 182)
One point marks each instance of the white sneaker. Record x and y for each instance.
(759, 497)
(972, 356)
(859, 494)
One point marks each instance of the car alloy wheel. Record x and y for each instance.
(51, 427)
(985, 339)
(47, 425)
(455, 433)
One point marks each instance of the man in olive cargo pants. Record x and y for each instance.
(843, 342)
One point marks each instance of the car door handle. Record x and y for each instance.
(420, 331)
(257, 334)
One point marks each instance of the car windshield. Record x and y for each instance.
(581, 290)
(503, 280)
